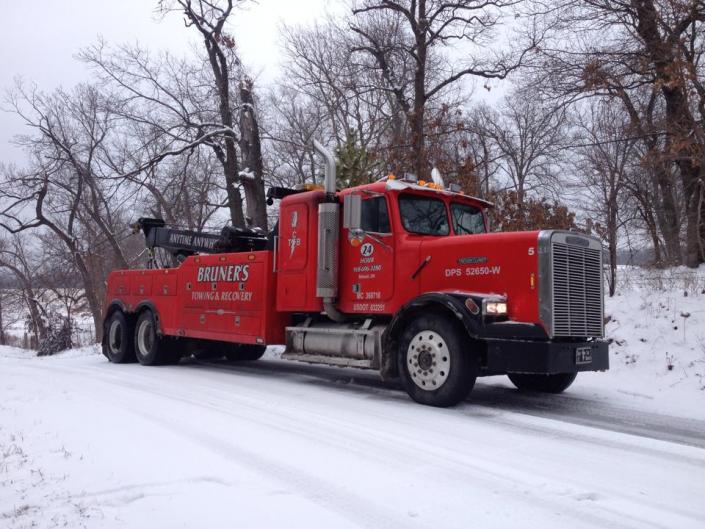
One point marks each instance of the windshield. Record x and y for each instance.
(423, 215)
(466, 219)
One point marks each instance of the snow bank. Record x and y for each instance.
(657, 328)
(7, 351)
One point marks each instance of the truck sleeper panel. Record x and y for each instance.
(226, 297)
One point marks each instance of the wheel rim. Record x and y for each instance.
(145, 338)
(115, 336)
(428, 360)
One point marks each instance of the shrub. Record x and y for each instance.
(58, 336)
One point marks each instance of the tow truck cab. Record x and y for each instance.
(424, 249)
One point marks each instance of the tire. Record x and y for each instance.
(118, 344)
(150, 348)
(442, 347)
(543, 383)
(244, 353)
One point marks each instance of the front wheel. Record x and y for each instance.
(150, 348)
(436, 362)
(543, 383)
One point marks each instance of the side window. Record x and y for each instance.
(375, 216)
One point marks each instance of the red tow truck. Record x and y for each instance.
(400, 276)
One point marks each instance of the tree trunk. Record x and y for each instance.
(691, 188)
(93, 296)
(232, 182)
(2, 326)
(228, 159)
(667, 214)
(418, 141)
(612, 245)
(418, 144)
(701, 207)
(653, 232)
(251, 151)
(680, 123)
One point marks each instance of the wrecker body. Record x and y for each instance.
(398, 276)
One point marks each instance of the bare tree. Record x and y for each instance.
(291, 125)
(252, 174)
(16, 258)
(62, 190)
(483, 152)
(209, 18)
(334, 93)
(179, 106)
(623, 50)
(604, 165)
(529, 136)
(429, 26)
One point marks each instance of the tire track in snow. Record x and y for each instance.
(451, 464)
(452, 467)
(565, 408)
(324, 493)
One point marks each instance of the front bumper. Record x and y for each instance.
(542, 357)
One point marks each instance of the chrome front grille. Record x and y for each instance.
(577, 289)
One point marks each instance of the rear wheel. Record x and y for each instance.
(436, 364)
(543, 383)
(118, 344)
(150, 348)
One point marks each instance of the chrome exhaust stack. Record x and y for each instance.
(328, 235)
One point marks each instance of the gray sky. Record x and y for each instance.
(39, 39)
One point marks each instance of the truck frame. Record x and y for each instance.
(406, 280)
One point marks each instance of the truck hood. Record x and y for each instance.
(494, 263)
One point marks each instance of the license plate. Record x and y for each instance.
(583, 355)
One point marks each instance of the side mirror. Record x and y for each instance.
(352, 212)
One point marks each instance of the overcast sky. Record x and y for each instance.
(38, 40)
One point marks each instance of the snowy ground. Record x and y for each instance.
(657, 356)
(271, 444)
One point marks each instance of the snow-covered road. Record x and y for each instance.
(273, 444)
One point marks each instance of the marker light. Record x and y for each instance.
(472, 306)
(356, 237)
(495, 308)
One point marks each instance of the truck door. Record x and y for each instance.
(367, 269)
(296, 256)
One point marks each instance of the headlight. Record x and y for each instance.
(496, 308)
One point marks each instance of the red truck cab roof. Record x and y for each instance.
(387, 185)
